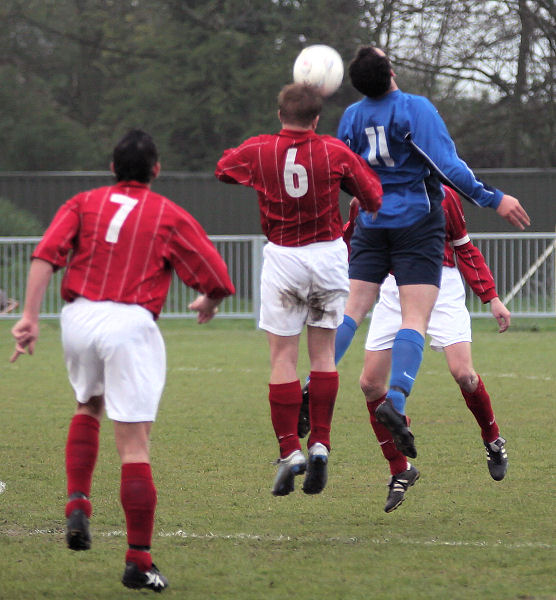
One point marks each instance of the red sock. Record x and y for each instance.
(285, 402)
(323, 389)
(478, 402)
(141, 558)
(81, 457)
(138, 497)
(396, 460)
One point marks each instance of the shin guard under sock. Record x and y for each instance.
(479, 404)
(323, 389)
(81, 456)
(138, 497)
(344, 337)
(285, 402)
(407, 354)
(396, 459)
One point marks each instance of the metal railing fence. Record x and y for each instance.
(523, 265)
(524, 268)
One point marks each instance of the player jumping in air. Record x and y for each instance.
(298, 175)
(404, 139)
(450, 331)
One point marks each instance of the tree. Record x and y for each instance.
(202, 75)
(495, 59)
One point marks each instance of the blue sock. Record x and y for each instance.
(398, 398)
(344, 337)
(407, 354)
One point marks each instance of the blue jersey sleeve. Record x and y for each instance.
(345, 132)
(430, 135)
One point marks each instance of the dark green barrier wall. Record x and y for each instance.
(230, 209)
(536, 190)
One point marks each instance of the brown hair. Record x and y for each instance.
(299, 104)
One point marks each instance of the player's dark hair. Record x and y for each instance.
(370, 72)
(134, 157)
(299, 104)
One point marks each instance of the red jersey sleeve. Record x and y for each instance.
(58, 239)
(235, 164)
(362, 182)
(196, 261)
(470, 262)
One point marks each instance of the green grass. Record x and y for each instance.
(219, 534)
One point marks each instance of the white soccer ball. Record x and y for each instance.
(320, 66)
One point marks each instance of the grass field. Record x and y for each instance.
(220, 534)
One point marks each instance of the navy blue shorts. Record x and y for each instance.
(414, 254)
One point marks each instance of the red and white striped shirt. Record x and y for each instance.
(121, 243)
(470, 262)
(298, 176)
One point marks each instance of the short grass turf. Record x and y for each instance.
(220, 534)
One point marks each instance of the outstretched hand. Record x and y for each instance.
(205, 307)
(349, 226)
(501, 314)
(511, 210)
(25, 332)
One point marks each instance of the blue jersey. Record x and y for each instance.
(404, 139)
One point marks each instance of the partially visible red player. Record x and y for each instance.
(450, 331)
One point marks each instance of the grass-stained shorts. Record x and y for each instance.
(305, 285)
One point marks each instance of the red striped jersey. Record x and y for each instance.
(121, 243)
(458, 248)
(298, 176)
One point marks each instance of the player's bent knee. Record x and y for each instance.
(372, 388)
(467, 380)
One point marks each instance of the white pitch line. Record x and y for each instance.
(342, 540)
(207, 370)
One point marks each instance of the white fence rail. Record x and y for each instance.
(524, 267)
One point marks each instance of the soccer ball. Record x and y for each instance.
(320, 66)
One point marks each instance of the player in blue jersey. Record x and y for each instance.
(404, 139)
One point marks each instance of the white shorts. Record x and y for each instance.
(115, 350)
(305, 285)
(450, 322)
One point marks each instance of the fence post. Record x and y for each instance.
(257, 262)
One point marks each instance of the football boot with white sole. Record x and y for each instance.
(317, 469)
(288, 468)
